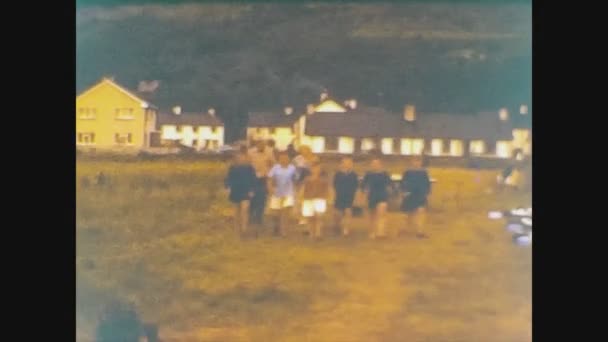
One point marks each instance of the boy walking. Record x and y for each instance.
(345, 185)
(281, 184)
(241, 182)
(314, 205)
(416, 185)
(376, 183)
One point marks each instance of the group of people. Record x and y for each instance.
(298, 181)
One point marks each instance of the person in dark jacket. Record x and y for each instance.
(241, 181)
(376, 184)
(416, 185)
(345, 184)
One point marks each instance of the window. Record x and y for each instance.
(346, 145)
(387, 146)
(477, 147)
(367, 144)
(406, 146)
(318, 144)
(436, 147)
(87, 138)
(503, 149)
(123, 138)
(124, 114)
(87, 113)
(214, 129)
(417, 146)
(456, 148)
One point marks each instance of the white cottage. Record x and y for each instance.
(202, 131)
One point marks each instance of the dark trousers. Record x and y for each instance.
(258, 202)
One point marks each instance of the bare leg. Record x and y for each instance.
(237, 217)
(338, 218)
(311, 227)
(420, 220)
(381, 219)
(318, 226)
(244, 216)
(277, 221)
(346, 221)
(372, 223)
(283, 216)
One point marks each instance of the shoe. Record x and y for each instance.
(515, 228)
(522, 239)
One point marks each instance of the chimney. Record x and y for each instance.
(310, 109)
(503, 114)
(177, 110)
(324, 95)
(409, 113)
(352, 103)
(211, 111)
(288, 110)
(523, 109)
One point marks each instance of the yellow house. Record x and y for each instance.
(108, 116)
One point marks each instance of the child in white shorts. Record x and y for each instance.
(314, 205)
(281, 182)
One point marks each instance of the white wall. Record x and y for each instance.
(188, 134)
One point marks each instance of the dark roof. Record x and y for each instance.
(272, 119)
(376, 122)
(358, 123)
(487, 126)
(194, 119)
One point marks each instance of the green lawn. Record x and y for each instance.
(161, 238)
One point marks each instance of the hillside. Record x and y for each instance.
(440, 57)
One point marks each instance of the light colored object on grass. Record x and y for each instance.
(495, 215)
(515, 228)
(527, 221)
(523, 239)
(522, 212)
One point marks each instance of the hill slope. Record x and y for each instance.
(440, 57)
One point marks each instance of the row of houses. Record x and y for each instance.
(110, 116)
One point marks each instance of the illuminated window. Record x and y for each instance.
(417, 146)
(456, 148)
(386, 146)
(346, 145)
(367, 144)
(406, 146)
(318, 144)
(436, 147)
(477, 147)
(503, 149)
(123, 138)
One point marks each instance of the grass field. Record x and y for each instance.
(161, 239)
